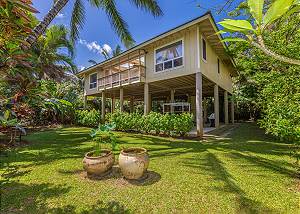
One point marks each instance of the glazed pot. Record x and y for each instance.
(98, 165)
(133, 162)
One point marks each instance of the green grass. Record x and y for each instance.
(247, 172)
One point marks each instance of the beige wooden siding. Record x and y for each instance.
(210, 68)
(189, 61)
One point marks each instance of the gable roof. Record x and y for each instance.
(211, 33)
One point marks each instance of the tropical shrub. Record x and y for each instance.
(168, 124)
(89, 118)
(280, 100)
(103, 134)
(58, 111)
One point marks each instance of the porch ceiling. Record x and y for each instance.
(182, 85)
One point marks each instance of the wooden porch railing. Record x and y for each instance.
(126, 77)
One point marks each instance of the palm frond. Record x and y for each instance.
(105, 53)
(117, 50)
(66, 62)
(57, 37)
(77, 19)
(150, 6)
(116, 20)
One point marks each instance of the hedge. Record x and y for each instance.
(167, 124)
(90, 118)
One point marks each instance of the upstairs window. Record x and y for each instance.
(93, 81)
(204, 49)
(169, 57)
(218, 65)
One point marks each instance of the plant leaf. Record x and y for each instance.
(232, 39)
(6, 114)
(277, 9)
(237, 25)
(256, 9)
(295, 9)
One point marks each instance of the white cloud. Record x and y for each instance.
(80, 67)
(107, 48)
(60, 16)
(95, 47)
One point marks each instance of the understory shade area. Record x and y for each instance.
(244, 172)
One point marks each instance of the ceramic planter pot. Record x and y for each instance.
(98, 165)
(133, 162)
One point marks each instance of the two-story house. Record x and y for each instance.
(188, 61)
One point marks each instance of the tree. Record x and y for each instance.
(270, 85)
(50, 62)
(15, 24)
(107, 55)
(78, 14)
(254, 33)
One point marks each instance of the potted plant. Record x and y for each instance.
(134, 162)
(100, 161)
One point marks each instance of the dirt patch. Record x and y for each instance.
(5, 144)
(116, 178)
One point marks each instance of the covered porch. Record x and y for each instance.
(204, 96)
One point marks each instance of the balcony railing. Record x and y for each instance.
(126, 77)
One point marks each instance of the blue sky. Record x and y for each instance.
(97, 32)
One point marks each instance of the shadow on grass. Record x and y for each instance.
(212, 165)
(21, 198)
(66, 143)
(47, 147)
(112, 207)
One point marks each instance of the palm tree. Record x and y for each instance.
(78, 15)
(107, 55)
(118, 50)
(52, 62)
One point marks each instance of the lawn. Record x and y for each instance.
(244, 172)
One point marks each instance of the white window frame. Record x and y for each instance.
(90, 80)
(202, 38)
(173, 68)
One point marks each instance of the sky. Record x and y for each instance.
(98, 34)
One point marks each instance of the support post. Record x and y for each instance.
(146, 98)
(150, 103)
(103, 107)
(216, 106)
(226, 107)
(172, 99)
(113, 102)
(85, 102)
(131, 104)
(232, 111)
(199, 108)
(121, 99)
(205, 110)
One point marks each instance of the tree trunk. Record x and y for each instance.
(42, 26)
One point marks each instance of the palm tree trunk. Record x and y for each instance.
(42, 26)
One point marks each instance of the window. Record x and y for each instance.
(218, 65)
(203, 49)
(169, 57)
(93, 80)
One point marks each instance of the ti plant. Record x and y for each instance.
(253, 32)
(103, 134)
